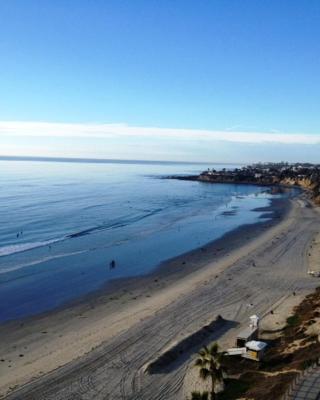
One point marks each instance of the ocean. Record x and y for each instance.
(63, 223)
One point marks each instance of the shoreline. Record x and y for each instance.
(97, 251)
(60, 337)
(182, 265)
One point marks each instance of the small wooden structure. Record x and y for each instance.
(314, 273)
(255, 350)
(236, 351)
(249, 333)
(247, 345)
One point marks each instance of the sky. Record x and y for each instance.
(210, 80)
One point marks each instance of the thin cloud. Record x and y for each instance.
(94, 130)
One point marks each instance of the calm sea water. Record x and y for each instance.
(63, 223)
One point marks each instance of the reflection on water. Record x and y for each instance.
(63, 224)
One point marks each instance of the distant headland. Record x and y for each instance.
(304, 175)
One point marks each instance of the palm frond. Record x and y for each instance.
(206, 349)
(204, 373)
(200, 362)
(209, 362)
(214, 349)
(202, 352)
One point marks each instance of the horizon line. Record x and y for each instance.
(105, 160)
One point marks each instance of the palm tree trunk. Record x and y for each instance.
(213, 395)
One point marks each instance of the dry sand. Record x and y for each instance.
(104, 343)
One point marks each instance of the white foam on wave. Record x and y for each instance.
(19, 248)
(39, 261)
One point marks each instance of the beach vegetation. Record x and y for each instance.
(234, 389)
(293, 320)
(293, 349)
(199, 396)
(209, 362)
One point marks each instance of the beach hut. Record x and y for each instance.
(249, 333)
(255, 350)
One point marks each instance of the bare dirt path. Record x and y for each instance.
(252, 284)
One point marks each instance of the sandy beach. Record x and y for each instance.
(99, 348)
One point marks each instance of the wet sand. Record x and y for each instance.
(105, 341)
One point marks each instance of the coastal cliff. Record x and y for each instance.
(306, 176)
(312, 185)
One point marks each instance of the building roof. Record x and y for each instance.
(255, 345)
(246, 333)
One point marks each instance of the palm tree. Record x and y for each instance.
(209, 361)
(199, 396)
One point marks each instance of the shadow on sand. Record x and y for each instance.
(173, 357)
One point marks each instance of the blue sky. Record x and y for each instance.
(231, 67)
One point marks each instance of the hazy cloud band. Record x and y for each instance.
(95, 130)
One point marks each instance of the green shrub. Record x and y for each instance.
(234, 388)
(293, 320)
